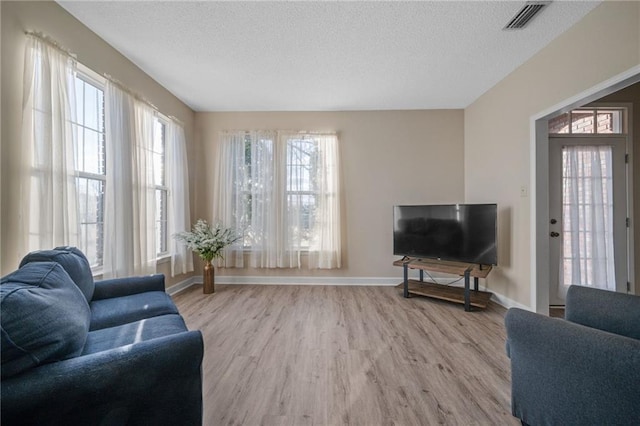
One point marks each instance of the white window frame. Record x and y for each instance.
(619, 126)
(164, 217)
(246, 192)
(308, 192)
(90, 77)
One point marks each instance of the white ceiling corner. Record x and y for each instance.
(324, 56)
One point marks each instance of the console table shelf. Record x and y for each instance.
(462, 295)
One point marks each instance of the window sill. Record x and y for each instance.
(303, 252)
(97, 271)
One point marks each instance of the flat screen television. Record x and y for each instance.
(456, 232)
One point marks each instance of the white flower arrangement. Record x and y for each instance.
(207, 241)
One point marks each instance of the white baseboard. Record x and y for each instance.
(275, 280)
(508, 303)
(337, 281)
(182, 285)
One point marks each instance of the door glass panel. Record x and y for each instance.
(587, 217)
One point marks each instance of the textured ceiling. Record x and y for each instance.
(316, 56)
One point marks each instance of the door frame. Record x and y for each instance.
(539, 165)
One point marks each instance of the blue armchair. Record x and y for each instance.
(112, 352)
(581, 370)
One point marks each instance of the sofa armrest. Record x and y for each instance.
(617, 313)
(118, 287)
(152, 382)
(569, 374)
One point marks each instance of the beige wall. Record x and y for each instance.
(497, 126)
(388, 158)
(51, 19)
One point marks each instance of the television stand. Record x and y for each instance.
(463, 295)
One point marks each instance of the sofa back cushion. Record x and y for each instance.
(44, 317)
(617, 313)
(73, 261)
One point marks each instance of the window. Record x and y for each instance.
(280, 191)
(89, 132)
(160, 181)
(251, 188)
(90, 160)
(97, 183)
(301, 187)
(588, 121)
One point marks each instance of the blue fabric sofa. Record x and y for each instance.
(581, 370)
(112, 352)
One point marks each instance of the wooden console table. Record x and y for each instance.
(462, 295)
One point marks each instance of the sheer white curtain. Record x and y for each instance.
(280, 189)
(266, 206)
(311, 213)
(587, 247)
(48, 184)
(178, 183)
(243, 194)
(325, 250)
(129, 228)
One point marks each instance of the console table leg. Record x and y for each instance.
(421, 275)
(406, 280)
(467, 292)
(475, 283)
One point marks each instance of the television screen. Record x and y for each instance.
(457, 232)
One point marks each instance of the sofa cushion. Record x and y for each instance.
(73, 261)
(605, 310)
(44, 317)
(122, 310)
(134, 332)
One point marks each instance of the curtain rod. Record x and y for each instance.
(129, 91)
(175, 119)
(140, 97)
(53, 43)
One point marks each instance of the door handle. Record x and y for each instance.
(554, 234)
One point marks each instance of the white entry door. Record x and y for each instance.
(588, 214)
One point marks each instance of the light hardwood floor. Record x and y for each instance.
(332, 355)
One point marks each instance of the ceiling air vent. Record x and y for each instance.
(526, 14)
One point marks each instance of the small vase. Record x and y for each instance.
(208, 278)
